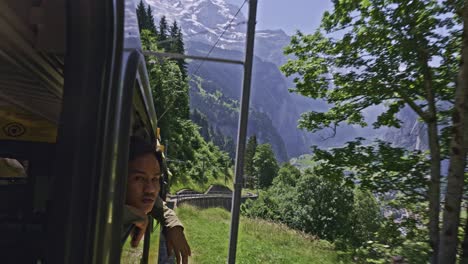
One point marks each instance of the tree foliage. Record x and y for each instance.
(344, 196)
(168, 39)
(326, 206)
(164, 33)
(265, 165)
(382, 52)
(151, 26)
(318, 205)
(213, 134)
(177, 46)
(193, 162)
(379, 168)
(145, 18)
(141, 14)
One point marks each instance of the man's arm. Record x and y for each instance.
(135, 223)
(173, 231)
(165, 215)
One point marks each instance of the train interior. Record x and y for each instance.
(31, 89)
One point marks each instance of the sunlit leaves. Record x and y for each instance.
(373, 51)
(191, 159)
(265, 165)
(378, 167)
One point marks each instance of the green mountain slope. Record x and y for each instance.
(221, 114)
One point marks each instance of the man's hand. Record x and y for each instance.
(175, 240)
(141, 222)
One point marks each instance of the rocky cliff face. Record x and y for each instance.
(412, 134)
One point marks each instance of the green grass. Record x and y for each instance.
(259, 241)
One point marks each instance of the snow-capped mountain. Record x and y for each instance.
(204, 20)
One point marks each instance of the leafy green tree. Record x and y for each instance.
(284, 193)
(458, 152)
(373, 52)
(397, 177)
(366, 218)
(214, 135)
(378, 167)
(249, 170)
(265, 165)
(288, 175)
(323, 206)
(193, 162)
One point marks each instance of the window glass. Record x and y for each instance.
(13, 171)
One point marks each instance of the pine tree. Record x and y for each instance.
(249, 171)
(146, 19)
(173, 36)
(151, 26)
(177, 46)
(163, 33)
(141, 15)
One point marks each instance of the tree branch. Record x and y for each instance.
(413, 105)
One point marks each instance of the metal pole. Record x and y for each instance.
(193, 57)
(244, 115)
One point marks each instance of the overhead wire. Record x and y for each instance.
(220, 36)
(212, 48)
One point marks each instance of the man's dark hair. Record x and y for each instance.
(140, 147)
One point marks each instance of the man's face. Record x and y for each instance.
(143, 182)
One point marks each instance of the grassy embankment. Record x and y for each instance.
(259, 241)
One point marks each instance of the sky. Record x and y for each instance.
(288, 15)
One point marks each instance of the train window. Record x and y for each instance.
(13, 171)
(148, 248)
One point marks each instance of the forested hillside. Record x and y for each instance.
(220, 114)
(194, 162)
